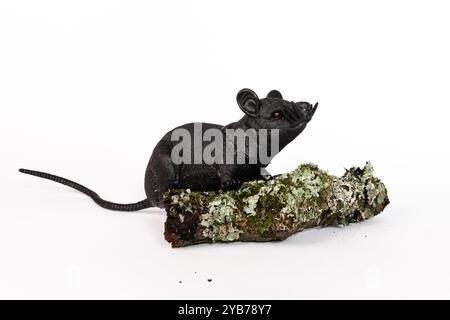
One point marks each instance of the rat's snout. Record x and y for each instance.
(309, 111)
(303, 111)
(312, 110)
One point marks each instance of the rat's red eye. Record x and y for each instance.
(276, 114)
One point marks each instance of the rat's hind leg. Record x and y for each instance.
(161, 175)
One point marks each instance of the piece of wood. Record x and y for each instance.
(270, 210)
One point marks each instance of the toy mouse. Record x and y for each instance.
(288, 118)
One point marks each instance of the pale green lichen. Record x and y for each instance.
(218, 221)
(182, 199)
(250, 205)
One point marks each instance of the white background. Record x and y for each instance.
(87, 88)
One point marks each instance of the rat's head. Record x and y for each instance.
(272, 112)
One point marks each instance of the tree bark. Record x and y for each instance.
(271, 210)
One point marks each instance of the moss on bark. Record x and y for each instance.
(268, 210)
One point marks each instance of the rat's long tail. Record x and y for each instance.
(102, 203)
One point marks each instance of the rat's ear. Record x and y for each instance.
(248, 101)
(274, 94)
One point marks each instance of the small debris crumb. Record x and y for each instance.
(180, 281)
(209, 280)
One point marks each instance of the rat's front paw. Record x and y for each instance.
(230, 184)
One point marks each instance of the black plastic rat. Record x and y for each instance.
(162, 174)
